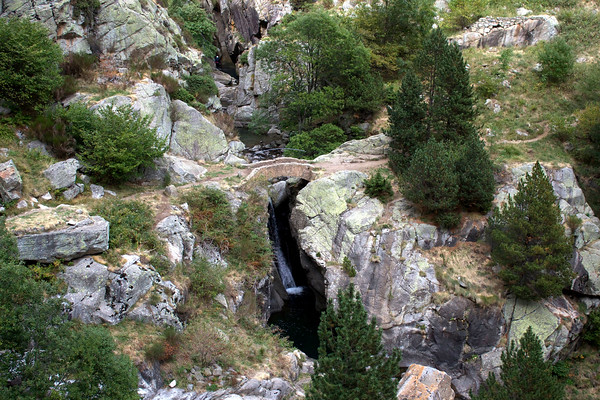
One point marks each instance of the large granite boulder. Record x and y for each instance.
(62, 174)
(11, 184)
(61, 233)
(508, 32)
(129, 29)
(194, 137)
(177, 170)
(151, 99)
(135, 291)
(425, 383)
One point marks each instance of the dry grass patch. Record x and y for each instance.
(132, 338)
(584, 375)
(465, 270)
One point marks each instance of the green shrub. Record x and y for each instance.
(505, 58)
(260, 123)
(348, 267)
(587, 84)
(592, 328)
(170, 84)
(379, 187)
(29, 64)
(120, 145)
(198, 25)
(87, 8)
(201, 87)
(464, 12)
(131, 224)
(244, 58)
(8, 245)
(211, 216)
(557, 60)
(448, 220)
(206, 279)
(183, 95)
(79, 65)
(311, 144)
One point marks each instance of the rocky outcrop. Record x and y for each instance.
(175, 232)
(61, 233)
(374, 146)
(194, 137)
(508, 32)
(62, 174)
(130, 29)
(399, 285)
(136, 291)
(174, 169)
(425, 383)
(11, 184)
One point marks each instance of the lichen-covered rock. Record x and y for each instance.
(508, 32)
(376, 145)
(61, 233)
(194, 137)
(175, 232)
(73, 191)
(62, 174)
(11, 184)
(130, 29)
(425, 383)
(151, 99)
(98, 295)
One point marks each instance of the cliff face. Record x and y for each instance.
(129, 29)
(409, 278)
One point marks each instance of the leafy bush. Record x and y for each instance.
(78, 65)
(464, 12)
(379, 187)
(131, 224)
(557, 61)
(587, 84)
(592, 328)
(206, 279)
(120, 145)
(184, 95)
(198, 25)
(86, 7)
(321, 140)
(260, 123)
(348, 267)
(29, 64)
(201, 87)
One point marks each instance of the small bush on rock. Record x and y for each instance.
(120, 145)
(379, 187)
(201, 87)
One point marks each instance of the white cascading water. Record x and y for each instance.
(282, 264)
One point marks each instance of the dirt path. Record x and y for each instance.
(535, 139)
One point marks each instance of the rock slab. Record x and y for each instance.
(11, 184)
(425, 383)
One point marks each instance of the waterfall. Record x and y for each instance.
(282, 263)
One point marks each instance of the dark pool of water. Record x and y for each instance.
(251, 139)
(299, 322)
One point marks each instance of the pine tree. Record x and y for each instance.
(352, 364)
(529, 242)
(475, 175)
(407, 122)
(524, 376)
(431, 180)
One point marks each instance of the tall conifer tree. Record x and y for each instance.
(529, 241)
(352, 363)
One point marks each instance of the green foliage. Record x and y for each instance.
(131, 224)
(587, 84)
(525, 375)
(429, 182)
(475, 175)
(464, 12)
(41, 352)
(184, 95)
(170, 83)
(312, 51)
(78, 65)
(260, 122)
(86, 7)
(557, 60)
(321, 140)
(29, 64)
(407, 122)
(592, 328)
(206, 279)
(201, 87)
(348, 267)
(242, 238)
(198, 25)
(505, 58)
(393, 30)
(352, 363)
(120, 145)
(529, 242)
(8, 245)
(379, 187)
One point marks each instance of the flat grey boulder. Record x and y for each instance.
(61, 233)
(193, 136)
(62, 174)
(11, 184)
(179, 170)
